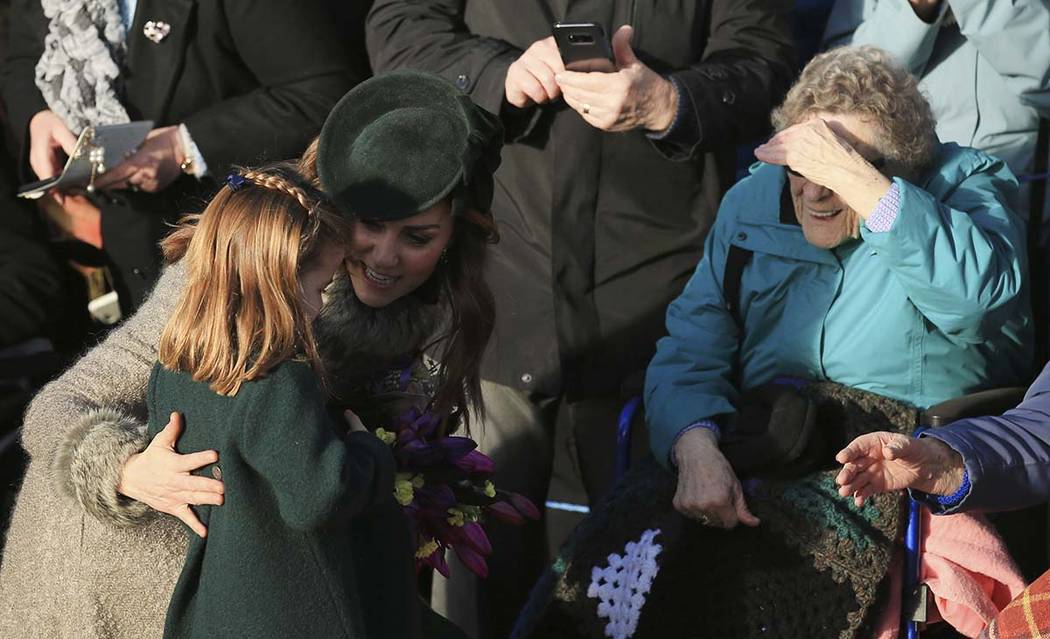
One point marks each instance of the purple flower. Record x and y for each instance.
(476, 464)
(505, 512)
(449, 491)
(524, 506)
(475, 535)
(472, 560)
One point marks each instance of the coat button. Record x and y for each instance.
(216, 472)
(526, 378)
(138, 271)
(741, 236)
(728, 97)
(462, 82)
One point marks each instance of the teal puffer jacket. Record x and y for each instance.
(934, 308)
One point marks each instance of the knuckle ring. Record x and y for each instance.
(586, 109)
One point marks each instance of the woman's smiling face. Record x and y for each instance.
(389, 259)
(826, 220)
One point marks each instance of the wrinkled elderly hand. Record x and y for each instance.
(632, 97)
(708, 489)
(882, 462)
(161, 478)
(815, 151)
(530, 78)
(152, 167)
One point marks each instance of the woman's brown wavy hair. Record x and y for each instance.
(241, 312)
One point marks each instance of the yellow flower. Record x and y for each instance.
(386, 436)
(456, 517)
(490, 489)
(417, 482)
(403, 489)
(426, 549)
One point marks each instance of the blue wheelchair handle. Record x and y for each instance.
(912, 541)
(623, 436)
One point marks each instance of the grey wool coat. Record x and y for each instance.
(65, 572)
(84, 562)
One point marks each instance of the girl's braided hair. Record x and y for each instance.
(242, 311)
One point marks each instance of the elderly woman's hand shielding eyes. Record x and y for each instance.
(814, 151)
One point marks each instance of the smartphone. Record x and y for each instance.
(584, 47)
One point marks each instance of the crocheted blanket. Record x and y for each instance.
(815, 567)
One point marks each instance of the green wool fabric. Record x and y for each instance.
(279, 558)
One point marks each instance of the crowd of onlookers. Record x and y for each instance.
(891, 238)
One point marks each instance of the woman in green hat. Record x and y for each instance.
(411, 160)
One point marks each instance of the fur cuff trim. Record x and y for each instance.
(88, 462)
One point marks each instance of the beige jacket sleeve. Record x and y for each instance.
(85, 424)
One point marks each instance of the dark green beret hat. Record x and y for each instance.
(398, 143)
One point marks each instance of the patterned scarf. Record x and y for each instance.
(80, 66)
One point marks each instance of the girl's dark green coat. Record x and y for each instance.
(280, 558)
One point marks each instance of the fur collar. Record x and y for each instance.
(357, 341)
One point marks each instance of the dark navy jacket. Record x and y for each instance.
(1007, 457)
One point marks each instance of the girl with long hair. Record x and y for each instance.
(404, 323)
(238, 360)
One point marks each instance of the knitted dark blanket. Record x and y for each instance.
(815, 568)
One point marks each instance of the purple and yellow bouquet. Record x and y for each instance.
(444, 486)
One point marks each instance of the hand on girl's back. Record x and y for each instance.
(162, 478)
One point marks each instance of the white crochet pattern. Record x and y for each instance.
(621, 586)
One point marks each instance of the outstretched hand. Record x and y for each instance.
(882, 462)
(162, 478)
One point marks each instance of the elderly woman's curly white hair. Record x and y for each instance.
(867, 82)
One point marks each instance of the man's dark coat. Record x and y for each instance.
(599, 231)
(250, 79)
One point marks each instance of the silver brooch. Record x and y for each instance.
(156, 30)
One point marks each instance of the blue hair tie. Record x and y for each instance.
(235, 181)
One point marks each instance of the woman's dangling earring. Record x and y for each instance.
(444, 255)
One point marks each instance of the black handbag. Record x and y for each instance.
(774, 434)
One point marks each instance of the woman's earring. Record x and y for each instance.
(444, 256)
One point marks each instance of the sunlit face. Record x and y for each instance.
(826, 220)
(317, 274)
(389, 259)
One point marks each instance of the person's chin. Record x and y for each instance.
(823, 239)
(375, 299)
(369, 294)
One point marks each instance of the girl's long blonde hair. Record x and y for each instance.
(241, 311)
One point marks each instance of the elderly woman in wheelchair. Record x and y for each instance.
(880, 260)
(878, 271)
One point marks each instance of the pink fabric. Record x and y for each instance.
(970, 574)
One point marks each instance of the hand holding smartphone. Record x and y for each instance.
(584, 47)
